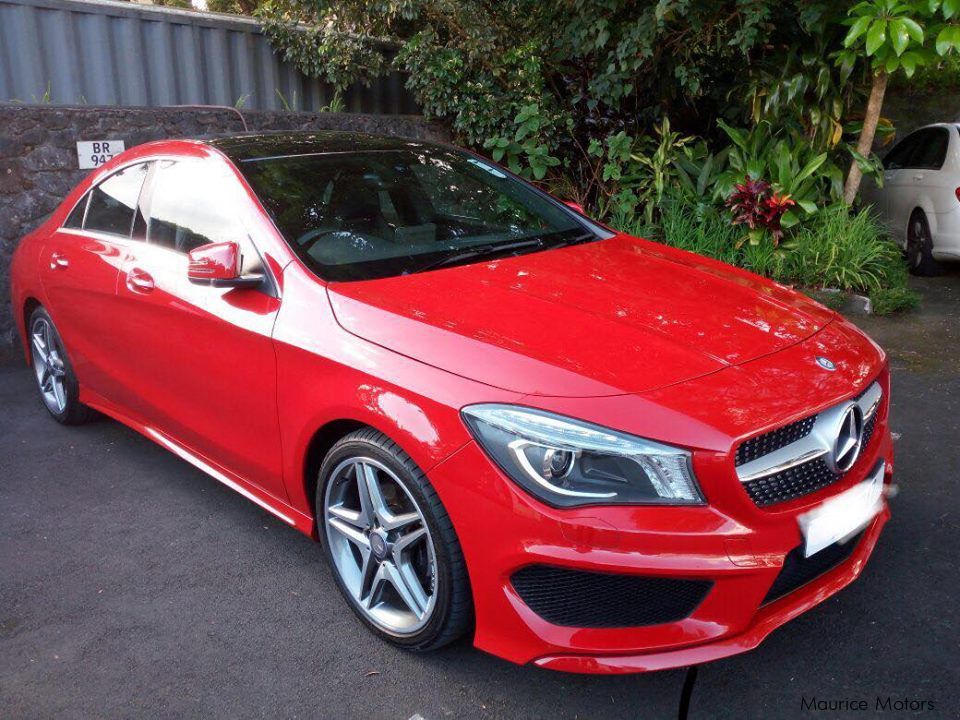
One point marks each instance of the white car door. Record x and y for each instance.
(900, 186)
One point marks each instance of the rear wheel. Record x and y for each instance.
(390, 543)
(56, 380)
(920, 246)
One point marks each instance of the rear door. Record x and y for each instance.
(79, 270)
(934, 185)
(913, 170)
(198, 361)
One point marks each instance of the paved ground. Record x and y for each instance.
(132, 585)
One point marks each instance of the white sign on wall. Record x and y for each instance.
(94, 153)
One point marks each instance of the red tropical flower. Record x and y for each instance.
(755, 204)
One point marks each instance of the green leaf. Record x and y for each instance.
(951, 8)
(899, 36)
(811, 167)
(789, 219)
(876, 36)
(914, 29)
(910, 61)
(784, 164)
(945, 40)
(891, 64)
(808, 206)
(858, 28)
(739, 139)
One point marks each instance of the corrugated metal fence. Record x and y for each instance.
(117, 53)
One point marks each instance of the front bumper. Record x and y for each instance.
(501, 530)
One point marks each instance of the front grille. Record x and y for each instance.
(807, 442)
(868, 429)
(798, 571)
(577, 598)
(774, 440)
(792, 483)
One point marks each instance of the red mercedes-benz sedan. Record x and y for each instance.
(596, 453)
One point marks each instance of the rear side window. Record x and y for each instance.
(899, 157)
(75, 218)
(925, 149)
(113, 202)
(192, 204)
(932, 150)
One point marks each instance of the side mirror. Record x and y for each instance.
(218, 264)
(574, 206)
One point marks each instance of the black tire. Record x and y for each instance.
(73, 411)
(919, 250)
(452, 615)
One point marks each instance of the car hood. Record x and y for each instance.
(610, 317)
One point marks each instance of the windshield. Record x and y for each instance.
(379, 213)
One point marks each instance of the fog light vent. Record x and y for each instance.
(577, 598)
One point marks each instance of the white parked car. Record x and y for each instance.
(920, 197)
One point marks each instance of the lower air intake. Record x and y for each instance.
(798, 571)
(576, 598)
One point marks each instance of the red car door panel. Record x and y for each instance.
(197, 362)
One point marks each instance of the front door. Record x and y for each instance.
(199, 360)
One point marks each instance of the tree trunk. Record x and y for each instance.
(865, 144)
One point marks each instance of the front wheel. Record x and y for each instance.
(391, 546)
(54, 374)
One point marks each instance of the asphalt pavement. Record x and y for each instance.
(133, 585)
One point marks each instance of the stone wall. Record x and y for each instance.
(909, 109)
(38, 153)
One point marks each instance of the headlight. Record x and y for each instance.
(567, 462)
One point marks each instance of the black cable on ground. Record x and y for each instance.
(687, 691)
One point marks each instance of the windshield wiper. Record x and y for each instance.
(478, 251)
(585, 237)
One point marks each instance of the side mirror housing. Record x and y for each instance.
(574, 206)
(218, 264)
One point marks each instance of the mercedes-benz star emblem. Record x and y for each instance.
(846, 450)
(826, 363)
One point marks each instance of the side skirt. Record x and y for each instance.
(293, 517)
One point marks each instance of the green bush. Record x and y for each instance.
(843, 251)
(887, 301)
(837, 249)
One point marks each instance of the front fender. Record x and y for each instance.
(325, 375)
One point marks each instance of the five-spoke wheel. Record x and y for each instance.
(55, 379)
(390, 543)
(381, 546)
(48, 365)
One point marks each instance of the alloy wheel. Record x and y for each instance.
(916, 241)
(48, 365)
(381, 546)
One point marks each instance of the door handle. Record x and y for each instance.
(140, 281)
(918, 177)
(59, 260)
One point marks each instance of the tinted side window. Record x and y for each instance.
(192, 204)
(899, 157)
(113, 202)
(932, 150)
(75, 218)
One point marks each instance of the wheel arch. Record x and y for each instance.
(924, 205)
(30, 304)
(319, 445)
